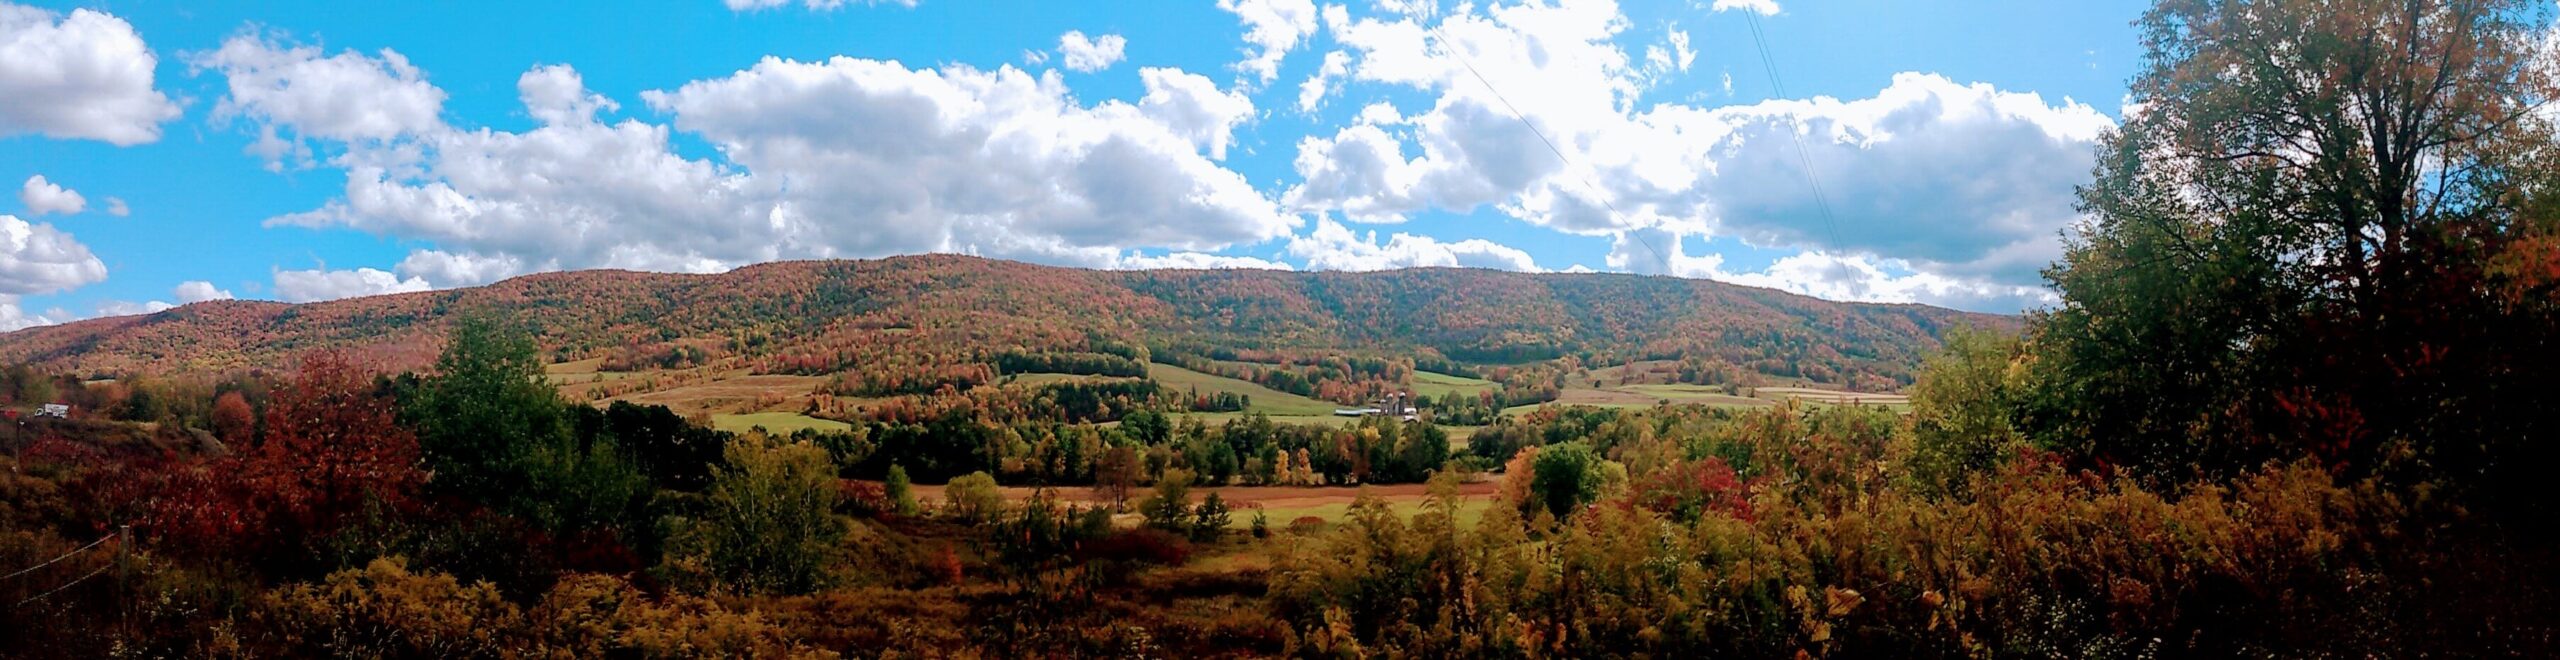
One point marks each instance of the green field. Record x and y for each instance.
(1470, 510)
(1265, 400)
(778, 423)
(1438, 385)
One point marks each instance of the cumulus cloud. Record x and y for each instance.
(556, 94)
(1761, 7)
(1312, 92)
(1194, 108)
(1823, 275)
(1960, 180)
(37, 258)
(41, 197)
(116, 207)
(13, 318)
(813, 5)
(86, 75)
(1198, 261)
(130, 308)
(194, 291)
(1272, 29)
(1079, 53)
(839, 158)
(300, 286)
(1335, 247)
(293, 92)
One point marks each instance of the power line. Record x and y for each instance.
(66, 585)
(1596, 190)
(1804, 157)
(66, 555)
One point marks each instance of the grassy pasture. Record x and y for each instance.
(778, 423)
(731, 394)
(1439, 385)
(1265, 400)
(1279, 504)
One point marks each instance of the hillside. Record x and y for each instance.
(881, 321)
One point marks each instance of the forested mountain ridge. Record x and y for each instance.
(821, 317)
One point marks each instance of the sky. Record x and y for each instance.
(160, 153)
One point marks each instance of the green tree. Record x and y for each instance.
(770, 524)
(1962, 409)
(1564, 477)
(973, 497)
(1169, 508)
(901, 492)
(1211, 518)
(483, 413)
(2291, 248)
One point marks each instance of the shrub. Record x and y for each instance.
(1211, 518)
(973, 498)
(384, 610)
(901, 492)
(770, 523)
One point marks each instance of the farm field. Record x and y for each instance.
(776, 423)
(1265, 400)
(1438, 385)
(1280, 504)
(730, 394)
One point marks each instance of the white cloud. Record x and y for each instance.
(1089, 55)
(13, 318)
(813, 5)
(834, 159)
(294, 93)
(1967, 181)
(116, 207)
(82, 76)
(1272, 29)
(37, 258)
(301, 286)
(446, 270)
(1193, 108)
(195, 291)
(1827, 276)
(41, 197)
(1311, 94)
(1197, 261)
(1335, 247)
(1761, 7)
(129, 308)
(556, 94)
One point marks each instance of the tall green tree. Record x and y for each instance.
(770, 525)
(485, 411)
(2293, 246)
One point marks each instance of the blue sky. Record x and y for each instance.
(302, 151)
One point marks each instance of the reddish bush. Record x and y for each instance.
(862, 498)
(1144, 545)
(1689, 488)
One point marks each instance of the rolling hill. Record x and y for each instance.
(931, 312)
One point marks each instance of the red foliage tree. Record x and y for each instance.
(333, 447)
(233, 421)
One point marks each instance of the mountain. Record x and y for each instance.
(929, 312)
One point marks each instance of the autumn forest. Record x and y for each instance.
(2294, 399)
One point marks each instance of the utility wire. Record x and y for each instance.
(1596, 190)
(1804, 157)
(66, 555)
(66, 585)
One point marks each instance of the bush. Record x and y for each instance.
(1211, 518)
(973, 498)
(383, 610)
(770, 523)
